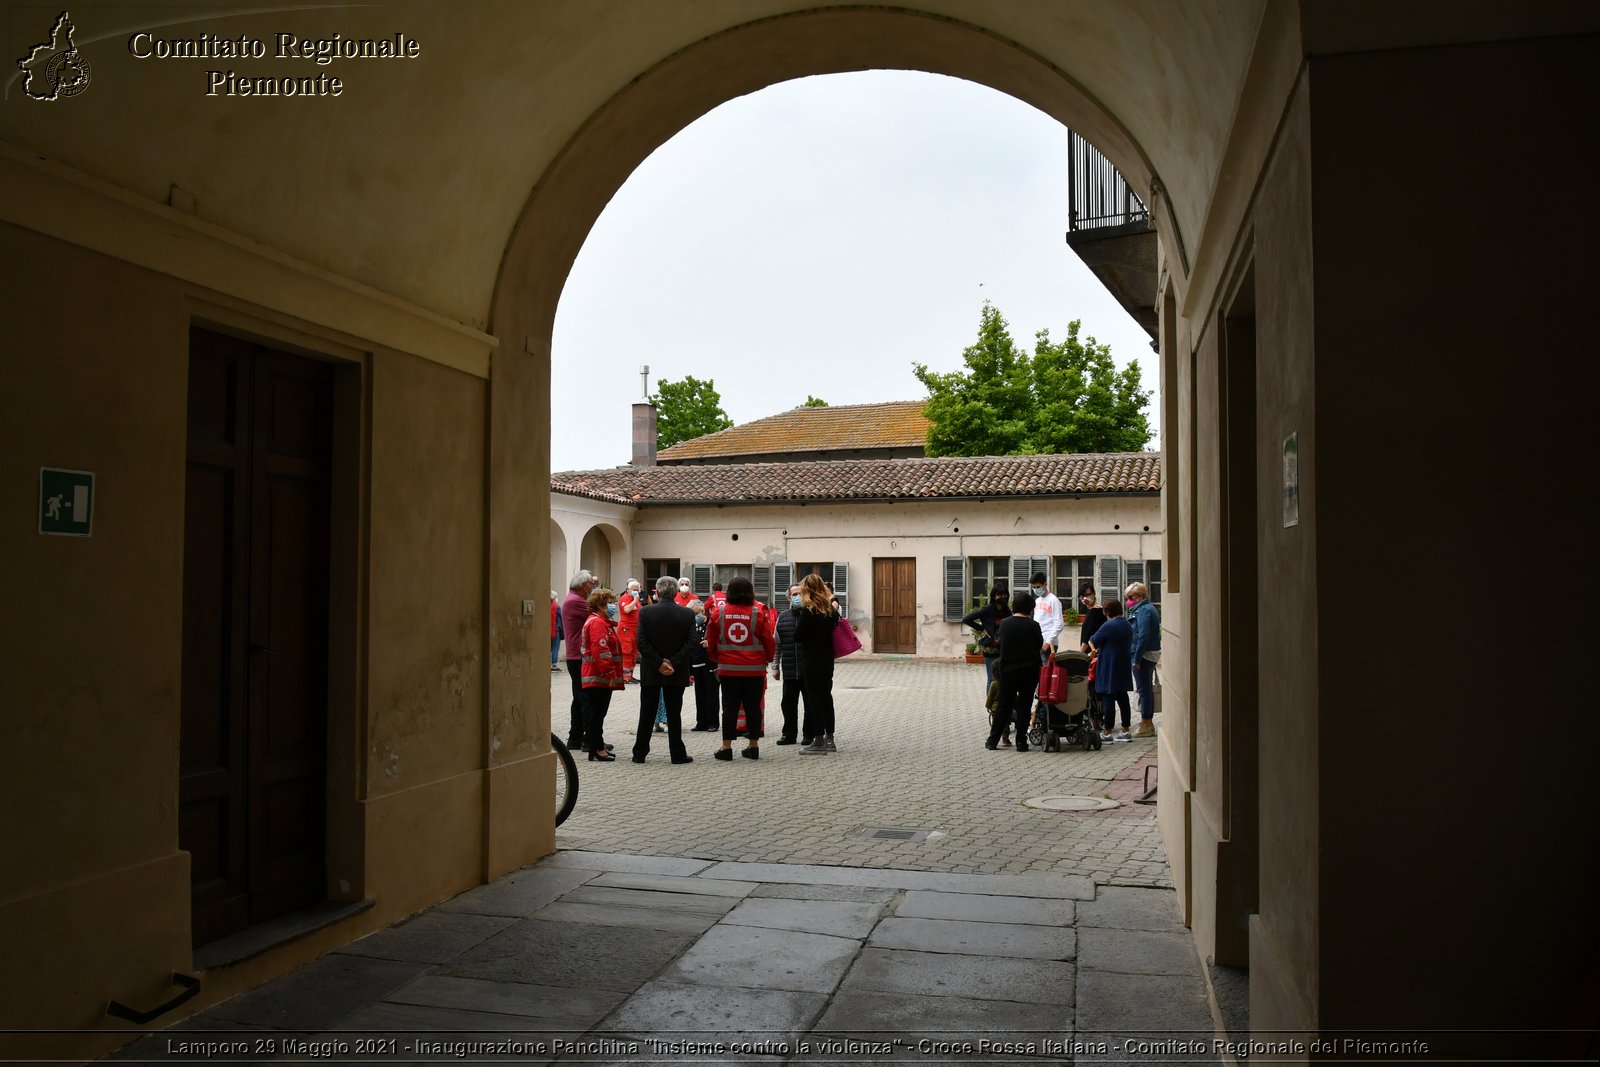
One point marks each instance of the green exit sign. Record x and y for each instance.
(66, 501)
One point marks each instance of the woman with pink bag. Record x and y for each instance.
(813, 636)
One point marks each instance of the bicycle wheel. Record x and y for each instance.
(566, 779)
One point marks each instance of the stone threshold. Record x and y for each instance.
(252, 941)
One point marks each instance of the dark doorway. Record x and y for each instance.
(894, 605)
(252, 782)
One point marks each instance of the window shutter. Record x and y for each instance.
(955, 588)
(1132, 571)
(1110, 579)
(841, 586)
(1023, 568)
(782, 579)
(761, 578)
(700, 579)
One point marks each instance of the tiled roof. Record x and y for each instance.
(898, 424)
(869, 479)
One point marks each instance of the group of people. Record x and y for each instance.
(1017, 633)
(722, 648)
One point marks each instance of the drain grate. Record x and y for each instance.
(901, 835)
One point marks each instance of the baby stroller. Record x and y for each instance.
(1056, 726)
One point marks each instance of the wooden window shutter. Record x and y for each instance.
(841, 586)
(1132, 571)
(782, 579)
(700, 580)
(1023, 568)
(955, 588)
(1109, 570)
(761, 578)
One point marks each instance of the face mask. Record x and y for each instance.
(611, 611)
(1038, 590)
(683, 589)
(1129, 603)
(794, 601)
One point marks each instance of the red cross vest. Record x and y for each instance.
(741, 640)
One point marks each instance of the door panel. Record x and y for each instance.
(894, 605)
(255, 632)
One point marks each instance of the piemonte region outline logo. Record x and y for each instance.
(55, 69)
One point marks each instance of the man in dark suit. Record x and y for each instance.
(666, 646)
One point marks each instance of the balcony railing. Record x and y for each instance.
(1099, 195)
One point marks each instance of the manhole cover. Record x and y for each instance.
(1070, 803)
(900, 834)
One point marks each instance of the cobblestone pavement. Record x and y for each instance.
(911, 756)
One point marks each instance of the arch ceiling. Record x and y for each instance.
(414, 179)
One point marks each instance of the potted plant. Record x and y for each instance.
(974, 654)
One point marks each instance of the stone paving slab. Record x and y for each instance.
(521, 893)
(839, 918)
(703, 1013)
(1139, 952)
(1067, 887)
(979, 977)
(912, 1017)
(617, 861)
(1119, 1005)
(432, 937)
(748, 957)
(975, 938)
(801, 891)
(700, 903)
(920, 904)
(681, 922)
(673, 883)
(537, 1007)
(1132, 909)
(571, 954)
(320, 994)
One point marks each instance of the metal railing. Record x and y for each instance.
(1098, 194)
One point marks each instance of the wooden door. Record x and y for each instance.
(253, 745)
(894, 605)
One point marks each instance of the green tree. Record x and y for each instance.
(1068, 396)
(814, 402)
(687, 409)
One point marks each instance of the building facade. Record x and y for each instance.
(910, 546)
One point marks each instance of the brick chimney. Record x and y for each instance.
(644, 435)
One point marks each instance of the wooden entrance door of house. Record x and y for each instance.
(894, 605)
(255, 633)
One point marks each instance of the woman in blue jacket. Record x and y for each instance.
(1113, 674)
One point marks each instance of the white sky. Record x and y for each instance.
(819, 237)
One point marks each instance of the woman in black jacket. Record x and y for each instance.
(1093, 616)
(1021, 642)
(986, 621)
(813, 635)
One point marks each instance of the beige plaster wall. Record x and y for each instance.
(94, 893)
(1454, 391)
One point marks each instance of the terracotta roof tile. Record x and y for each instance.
(897, 424)
(869, 479)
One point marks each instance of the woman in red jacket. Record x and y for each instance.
(602, 670)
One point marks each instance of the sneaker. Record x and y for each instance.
(818, 747)
(829, 743)
(1123, 735)
(1146, 729)
(1107, 735)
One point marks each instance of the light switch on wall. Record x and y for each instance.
(527, 607)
